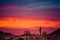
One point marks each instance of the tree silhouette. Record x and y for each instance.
(27, 33)
(20, 39)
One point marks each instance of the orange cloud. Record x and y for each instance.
(26, 23)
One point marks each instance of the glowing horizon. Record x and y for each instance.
(27, 23)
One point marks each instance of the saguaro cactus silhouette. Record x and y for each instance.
(40, 30)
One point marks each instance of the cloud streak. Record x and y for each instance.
(40, 6)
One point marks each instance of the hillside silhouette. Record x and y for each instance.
(55, 35)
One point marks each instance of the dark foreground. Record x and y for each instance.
(27, 36)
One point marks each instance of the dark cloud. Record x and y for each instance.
(7, 2)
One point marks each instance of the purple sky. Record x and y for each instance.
(40, 9)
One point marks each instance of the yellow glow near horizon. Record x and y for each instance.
(26, 23)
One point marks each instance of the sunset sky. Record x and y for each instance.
(21, 15)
